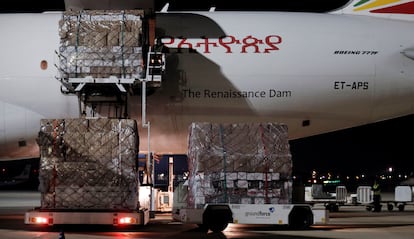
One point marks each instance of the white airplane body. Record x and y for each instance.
(316, 72)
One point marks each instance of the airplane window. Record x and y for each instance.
(305, 123)
(43, 65)
(22, 142)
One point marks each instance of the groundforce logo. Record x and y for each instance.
(257, 214)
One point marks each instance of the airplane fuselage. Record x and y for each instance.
(315, 72)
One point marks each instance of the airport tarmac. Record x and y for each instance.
(349, 223)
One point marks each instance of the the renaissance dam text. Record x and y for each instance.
(215, 94)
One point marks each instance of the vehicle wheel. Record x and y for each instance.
(401, 207)
(329, 207)
(377, 208)
(369, 208)
(202, 227)
(301, 218)
(390, 207)
(218, 226)
(332, 207)
(217, 217)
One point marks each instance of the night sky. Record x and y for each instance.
(366, 149)
(259, 5)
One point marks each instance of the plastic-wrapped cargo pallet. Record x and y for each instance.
(88, 164)
(101, 43)
(245, 163)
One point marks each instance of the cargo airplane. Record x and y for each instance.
(316, 72)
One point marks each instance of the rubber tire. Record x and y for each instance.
(300, 218)
(217, 226)
(202, 228)
(332, 207)
(217, 217)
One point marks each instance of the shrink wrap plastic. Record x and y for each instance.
(101, 44)
(88, 164)
(239, 163)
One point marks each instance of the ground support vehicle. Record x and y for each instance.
(88, 173)
(105, 56)
(240, 173)
(216, 217)
(88, 167)
(332, 201)
(403, 196)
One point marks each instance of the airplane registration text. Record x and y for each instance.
(356, 85)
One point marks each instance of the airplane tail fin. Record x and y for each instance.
(391, 9)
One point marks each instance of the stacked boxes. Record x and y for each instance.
(101, 44)
(88, 164)
(246, 163)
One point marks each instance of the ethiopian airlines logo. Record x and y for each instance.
(385, 6)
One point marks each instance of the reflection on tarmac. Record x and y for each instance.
(350, 222)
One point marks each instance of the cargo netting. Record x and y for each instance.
(88, 164)
(101, 44)
(247, 163)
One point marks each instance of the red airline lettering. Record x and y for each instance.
(248, 44)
